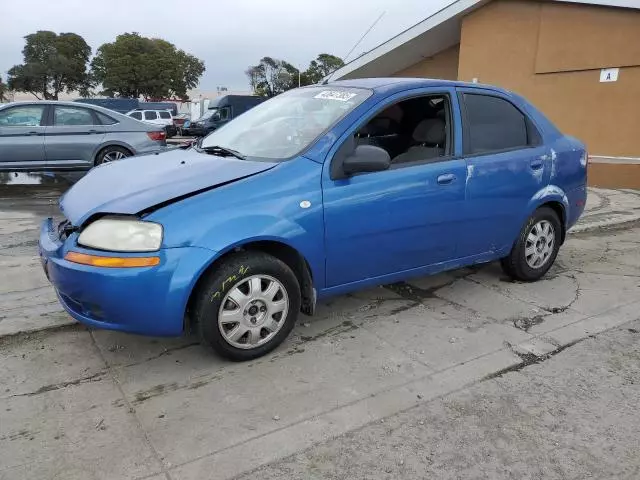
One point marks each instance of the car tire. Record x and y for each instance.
(247, 305)
(111, 153)
(537, 247)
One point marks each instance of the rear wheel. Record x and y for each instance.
(247, 306)
(111, 154)
(537, 247)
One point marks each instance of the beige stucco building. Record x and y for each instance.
(553, 52)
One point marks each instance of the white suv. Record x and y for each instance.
(155, 117)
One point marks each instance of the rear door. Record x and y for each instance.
(165, 117)
(151, 116)
(507, 164)
(22, 137)
(72, 137)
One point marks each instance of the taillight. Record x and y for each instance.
(157, 136)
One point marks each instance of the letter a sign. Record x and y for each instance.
(609, 74)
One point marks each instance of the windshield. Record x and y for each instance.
(285, 125)
(208, 114)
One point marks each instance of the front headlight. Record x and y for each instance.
(122, 235)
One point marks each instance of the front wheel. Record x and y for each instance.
(537, 247)
(247, 306)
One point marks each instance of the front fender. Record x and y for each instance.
(227, 235)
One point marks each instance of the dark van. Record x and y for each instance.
(222, 110)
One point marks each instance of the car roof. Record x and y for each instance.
(97, 108)
(386, 84)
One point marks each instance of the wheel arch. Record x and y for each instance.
(278, 249)
(552, 197)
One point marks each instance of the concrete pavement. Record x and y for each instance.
(571, 415)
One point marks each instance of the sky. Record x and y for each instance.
(227, 35)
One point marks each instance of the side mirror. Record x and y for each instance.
(216, 116)
(366, 158)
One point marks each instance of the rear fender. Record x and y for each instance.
(548, 194)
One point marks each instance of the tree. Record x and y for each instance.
(135, 66)
(3, 91)
(322, 66)
(272, 76)
(52, 64)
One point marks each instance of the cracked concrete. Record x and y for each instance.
(75, 403)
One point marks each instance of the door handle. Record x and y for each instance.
(33, 133)
(446, 179)
(94, 131)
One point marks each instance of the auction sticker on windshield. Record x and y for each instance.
(336, 95)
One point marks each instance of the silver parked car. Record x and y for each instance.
(51, 135)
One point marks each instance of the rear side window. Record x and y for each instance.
(136, 115)
(106, 119)
(165, 115)
(495, 124)
(149, 115)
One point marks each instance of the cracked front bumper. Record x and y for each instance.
(143, 300)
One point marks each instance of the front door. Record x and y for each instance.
(73, 137)
(390, 221)
(22, 137)
(507, 164)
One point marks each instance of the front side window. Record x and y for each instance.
(493, 124)
(23, 116)
(71, 116)
(224, 113)
(287, 124)
(149, 115)
(136, 115)
(165, 115)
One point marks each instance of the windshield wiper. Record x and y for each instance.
(224, 150)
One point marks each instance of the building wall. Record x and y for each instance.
(442, 65)
(552, 53)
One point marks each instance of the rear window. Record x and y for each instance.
(165, 115)
(493, 124)
(149, 115)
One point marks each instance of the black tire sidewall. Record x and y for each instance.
(224, 278)
(517, 261)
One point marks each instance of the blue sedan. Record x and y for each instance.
(317, 192)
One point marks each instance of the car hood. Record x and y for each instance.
(134, 184)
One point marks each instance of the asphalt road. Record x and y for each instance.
(458, 351)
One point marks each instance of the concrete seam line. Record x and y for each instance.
(131, 410)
